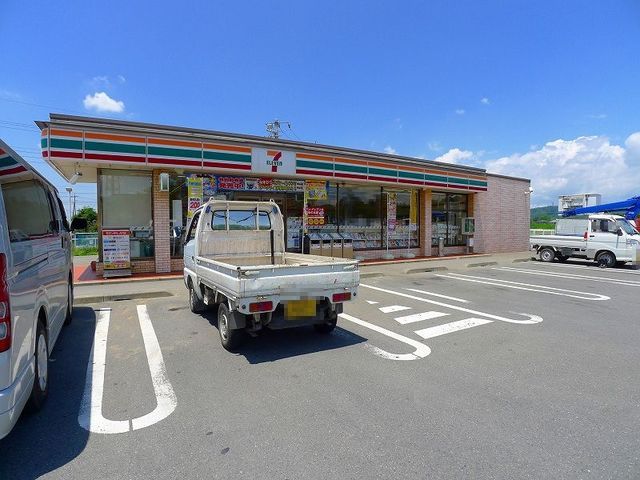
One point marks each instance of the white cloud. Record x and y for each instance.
(598, 116)
(455, 155)
(583, 165)
(390, 150)
(434, 146)
(485, 101)
(121, 78)
(460, 111)
(102, 102)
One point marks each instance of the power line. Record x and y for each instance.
(41, 105)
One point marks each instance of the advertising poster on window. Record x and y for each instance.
(315, 189)
(194, 195)
(294, 233)
(116, 249)
(315, 216)
(208, 188)
(262, 184)
(392, 203)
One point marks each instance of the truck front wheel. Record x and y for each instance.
(547, 254)
(230, 339)
(606, 260)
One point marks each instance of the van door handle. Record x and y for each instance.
(591, 236)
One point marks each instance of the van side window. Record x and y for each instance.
(29, 212)
(65, 223)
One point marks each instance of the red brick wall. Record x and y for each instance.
(502, 216)
(161, 226)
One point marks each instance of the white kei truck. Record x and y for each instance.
(608, 239)
(235, 259)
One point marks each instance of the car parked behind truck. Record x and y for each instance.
(235, 259)
(607, 239)
(36, 284)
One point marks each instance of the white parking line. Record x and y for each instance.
(90, 415)
(393, 308)
(421, 350)
(531, 320)
(572, 276)
(419, 317)
(371, 302)
(452, 327)
(588, 267)
(455, 299)
(165, 397)
(526, 286)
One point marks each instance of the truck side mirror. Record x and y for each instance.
(78, 223)
(619, 232)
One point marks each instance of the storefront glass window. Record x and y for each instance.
(360, 214)
(447, 212)
(405, 227)
(126, 199)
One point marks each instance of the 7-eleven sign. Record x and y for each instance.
(273, 161)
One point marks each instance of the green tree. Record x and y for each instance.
(91, 216)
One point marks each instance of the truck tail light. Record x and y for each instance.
(341, 297)
(5, 314)
(260, 307)
(586, 235)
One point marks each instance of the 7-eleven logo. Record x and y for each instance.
(274, 159)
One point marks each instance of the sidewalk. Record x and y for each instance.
(157, 285)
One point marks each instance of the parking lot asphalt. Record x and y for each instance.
(522, 371)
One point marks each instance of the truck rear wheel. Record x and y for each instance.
(230, 339)
(196, 305)
(547, 254)
(329, 325)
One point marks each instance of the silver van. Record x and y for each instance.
(36, 283)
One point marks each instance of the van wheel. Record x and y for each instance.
(41, 380)
(69, 317)
(606, 260)
(547, 254)
(196, 305)
(230, 339)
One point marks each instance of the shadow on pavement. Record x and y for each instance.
(272, 345)
(43, 441)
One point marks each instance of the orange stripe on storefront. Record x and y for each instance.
(228, 148)
(115, 138)
(44, 132)
(66, 133)
(383, 165)
(174, 143)
(353, 162)
(314, 157)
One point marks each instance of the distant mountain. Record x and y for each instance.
(541, 214)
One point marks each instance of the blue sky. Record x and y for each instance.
(545, 90)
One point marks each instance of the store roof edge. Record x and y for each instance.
(81, 121)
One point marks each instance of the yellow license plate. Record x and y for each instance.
(300, 308)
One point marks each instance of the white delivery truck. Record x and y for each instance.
(235, 258)
(607, 239)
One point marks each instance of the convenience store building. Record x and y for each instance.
(150, 178)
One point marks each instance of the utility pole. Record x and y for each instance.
(273, 128)
(69, 190)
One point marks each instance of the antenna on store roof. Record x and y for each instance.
(274, 128)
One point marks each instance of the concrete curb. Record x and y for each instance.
(426, 270)
(128, 280)
(481, 264)
(117, 298)
(371, 274)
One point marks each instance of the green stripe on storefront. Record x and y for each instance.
(114, 147)
(350, 168)
(43, 143)
(228, 157)
(477, 183)
(417, 176)
(435, 178)
(382, 171)
(7, 161)
(316, 165)
(70, 144)
(174, 152)
(459, 181)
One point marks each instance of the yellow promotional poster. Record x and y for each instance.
(315, 189)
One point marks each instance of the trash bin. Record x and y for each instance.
(441, 246)
(315, 244)
(347, 245)
(326, 244)
(336, 245)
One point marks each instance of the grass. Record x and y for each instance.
(80, 251)
(542, 225)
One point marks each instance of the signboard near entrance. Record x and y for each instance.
(116, 250)
(262, 184)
